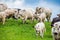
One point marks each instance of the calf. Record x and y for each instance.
(40, 28)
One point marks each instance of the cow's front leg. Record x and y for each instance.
(3, 20)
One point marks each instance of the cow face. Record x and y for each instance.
(3, 7)
(39, 10)
(56, 29)
(21, 13)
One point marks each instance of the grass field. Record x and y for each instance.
(15, 30)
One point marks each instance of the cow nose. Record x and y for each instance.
(55, 33)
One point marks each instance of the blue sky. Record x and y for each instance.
(54, 5)
(35, 2)
(32, 2)
(56, 2)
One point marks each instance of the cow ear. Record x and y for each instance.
(40, 8)
(37, 8)
(58, 15)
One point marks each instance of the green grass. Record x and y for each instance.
(15, 30)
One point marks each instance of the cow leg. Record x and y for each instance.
(39, 20)
(37, 32)
(3, 20)
(32, 19)
(24, 20)
(41, 33)
(15, 16)
(48, 18)
(43, 20)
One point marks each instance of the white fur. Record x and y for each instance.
(3, 7)
(56, 29)
(47, 11)
(11, 11)
(24, 15)
(2, 16)
(40, 28)
(42, 17)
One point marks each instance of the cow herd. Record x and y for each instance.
(40, 14)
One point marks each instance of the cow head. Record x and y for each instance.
(56, 29)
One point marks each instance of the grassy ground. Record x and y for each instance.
(15, 30)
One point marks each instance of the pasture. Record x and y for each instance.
(15, 30)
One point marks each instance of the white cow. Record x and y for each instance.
(3, 7)
(2, 16)
(26, 14)
(56, 31)
(47, 11)
(11, 12)
(40, 28)
(40, 17)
